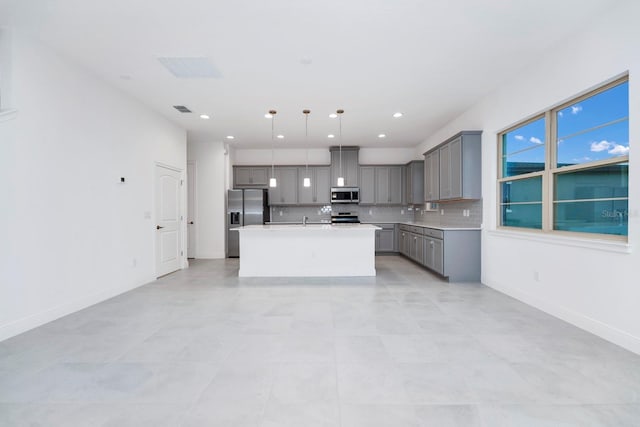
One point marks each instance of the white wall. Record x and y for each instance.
(5, 69)
(70, 232)
(321, 156)
(211, 176)
(594, 288)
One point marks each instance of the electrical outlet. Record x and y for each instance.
(401, 211)
(280, 213)
(441, 211)
(370, 211)
(134, 262)
(536, 276)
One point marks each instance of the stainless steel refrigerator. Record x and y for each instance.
(244, 207)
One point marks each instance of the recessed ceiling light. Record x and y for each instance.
(398, 114)
(331, 135)
(230, 137)
(333, 115)
(204, 116)
(280, 136)
(267, 116)
(382, 135)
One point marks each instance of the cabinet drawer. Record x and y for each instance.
(432, 232)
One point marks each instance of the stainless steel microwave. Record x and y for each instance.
(345, 195)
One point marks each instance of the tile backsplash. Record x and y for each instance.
(453, 213)
(323, 213)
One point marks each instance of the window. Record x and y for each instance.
(568, 169)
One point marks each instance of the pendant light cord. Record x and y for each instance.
(340, 119)
(273, 117)
(306, 140)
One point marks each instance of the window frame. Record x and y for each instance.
(551, 169)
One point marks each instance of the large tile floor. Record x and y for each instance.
(203, 348)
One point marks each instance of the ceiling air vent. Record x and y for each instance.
(182, 108)
(190, 67)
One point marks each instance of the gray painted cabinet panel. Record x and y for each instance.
(386, 238)
(459, 167)
(432, 176)
(286, 192)
(454, 254)
(367, 185)
(319, 191)
(250, 176)
(414, 179)
(349, 166)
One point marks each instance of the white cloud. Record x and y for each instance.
(560, 114)
(535, 140)
(610, 147)
(519, 137)
(575, 109)
(619, 150)
(596, 147)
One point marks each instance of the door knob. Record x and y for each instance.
(158, 227)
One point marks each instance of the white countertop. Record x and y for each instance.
(439, 227)
(425, 225)
(308, 227)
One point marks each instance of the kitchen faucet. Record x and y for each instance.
(304, 220)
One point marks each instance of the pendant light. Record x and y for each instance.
(306, 181)
(272, 181)
(340, 177)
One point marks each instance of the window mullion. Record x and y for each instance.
(547, 178)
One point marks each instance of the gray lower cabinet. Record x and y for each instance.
(434, 254)
(454, 254)
(286, 191)
(386, 238)
(250, 176)
(319, 193)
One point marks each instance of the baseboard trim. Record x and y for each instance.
(27, 323)
(596, 327)
(211, 255)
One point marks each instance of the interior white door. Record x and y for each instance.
(191, 210)
(168, 241)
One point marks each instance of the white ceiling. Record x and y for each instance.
(430, 60)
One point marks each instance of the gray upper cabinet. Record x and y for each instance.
(367, 185)
(322, 185)
(459, 167)
(394, 183)
(414, 183)
(349, 166)
(381, 185)
(432, 176)
(319, 191)
(286, 192)
(250, 176)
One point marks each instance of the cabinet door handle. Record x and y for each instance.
(158, 227)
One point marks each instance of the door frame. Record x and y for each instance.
(194, 214)
(183, 263)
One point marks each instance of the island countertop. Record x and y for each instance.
(312, 250)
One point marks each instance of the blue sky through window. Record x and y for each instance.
(593, 129)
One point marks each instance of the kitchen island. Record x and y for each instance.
(312, 250)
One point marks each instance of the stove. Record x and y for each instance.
(344, 218)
